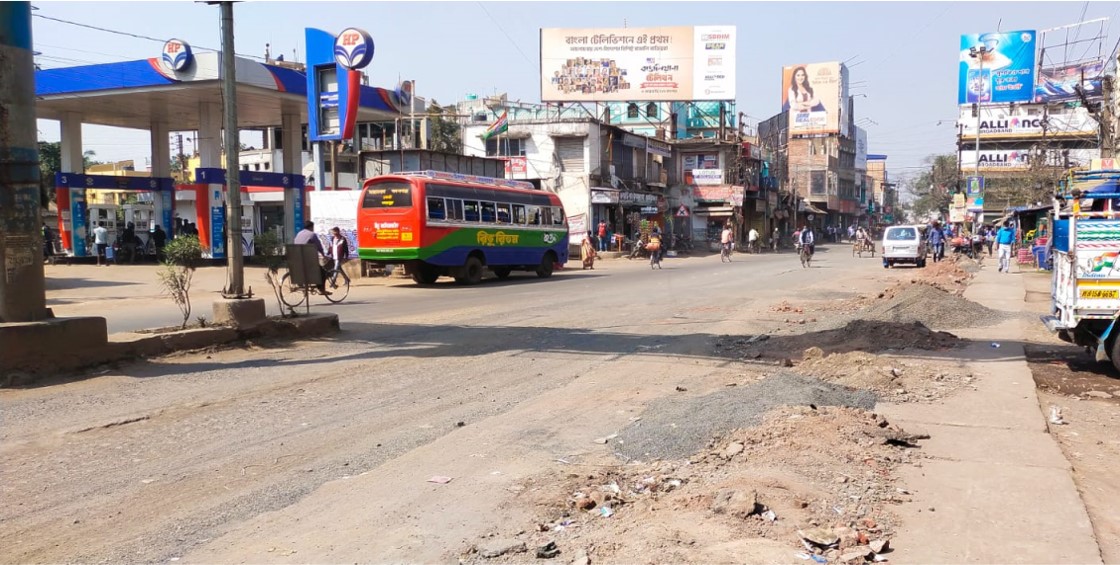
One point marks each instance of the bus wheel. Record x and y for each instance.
(544, 270)
(472, 272)
(425, 274)
(502, 272)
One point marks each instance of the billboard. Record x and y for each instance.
(1004, 74)
(626, 64)
(813, 95)
(1027, 121)
(1020, 159)
(861, 149)
(1059, 84)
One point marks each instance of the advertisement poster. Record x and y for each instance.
(651, 64)
(974, 191)
(330, 209)
(577, 229)
(1005, 73)
(1002, 121)
(812, 94)
(861, 149)
(706, 177)
(1059, 84)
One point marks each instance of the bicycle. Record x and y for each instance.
(725, 253)
(805, 255)
(336, 282)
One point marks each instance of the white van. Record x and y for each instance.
(904, 244)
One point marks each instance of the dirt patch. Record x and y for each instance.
(1069, 371)
(934, 307)
(826, 473)
(892, 379)
(859, 335)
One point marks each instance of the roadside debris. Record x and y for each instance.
(441, 480)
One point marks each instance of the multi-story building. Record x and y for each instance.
(673, 120)
(883, 194)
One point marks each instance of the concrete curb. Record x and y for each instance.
(129, 346)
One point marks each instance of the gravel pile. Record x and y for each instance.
(676, 428)
(934, 308)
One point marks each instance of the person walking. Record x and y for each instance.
(159, 237)
(1005, 237)
(587, 253)
(48, 242)
(775, 238)
(101, 241)
(936, 240)
(340, 248)
(752, 241)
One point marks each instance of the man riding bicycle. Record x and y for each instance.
(807, 239)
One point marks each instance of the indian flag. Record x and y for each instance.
(497, 128)
(1105, 260)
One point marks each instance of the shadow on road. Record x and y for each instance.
(68, 283)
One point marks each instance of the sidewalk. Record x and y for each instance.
(995, 488)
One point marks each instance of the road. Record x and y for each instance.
(321, 450)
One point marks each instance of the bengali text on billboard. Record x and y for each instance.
(1005, 72)
(812, 94)
(625, 64)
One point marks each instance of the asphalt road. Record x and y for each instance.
(320, 450)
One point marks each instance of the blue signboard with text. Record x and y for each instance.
(996, 67)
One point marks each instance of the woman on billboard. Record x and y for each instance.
(800, 96)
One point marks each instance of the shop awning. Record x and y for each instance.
(808, 207)
(714, 211)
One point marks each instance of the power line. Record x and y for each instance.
(133, 35)
(503, 30)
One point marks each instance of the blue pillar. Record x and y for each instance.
(22, 290)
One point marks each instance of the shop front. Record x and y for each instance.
(715, 206)
(641, 206)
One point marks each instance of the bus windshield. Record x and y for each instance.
(388, 194)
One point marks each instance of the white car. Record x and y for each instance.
(904, 244)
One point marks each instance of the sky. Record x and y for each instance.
(902, 56)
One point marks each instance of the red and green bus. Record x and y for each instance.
(446, 224)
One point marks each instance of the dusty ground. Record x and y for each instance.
(1088, 395)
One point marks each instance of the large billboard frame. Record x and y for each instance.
(1005, 74)
(660, 64)
(822, 93)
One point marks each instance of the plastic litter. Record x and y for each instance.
(440, 480)
(1056, 416)
(605, 511)
(995, 345)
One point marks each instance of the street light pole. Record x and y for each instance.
(978, 53)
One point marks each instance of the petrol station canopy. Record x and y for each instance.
(136, 94)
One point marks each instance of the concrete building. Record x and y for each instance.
(883, 207)
(673, 120)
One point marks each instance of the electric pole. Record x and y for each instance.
(22, 284)
(235, 276)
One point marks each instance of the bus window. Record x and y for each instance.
(546, 216)
(534, 215)
(454, 209)
(436, 209)
(389, 194)
(470, 210)
(557, 216)
(504, 216)
(488, 214)
(519, 216)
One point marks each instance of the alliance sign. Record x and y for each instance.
(1028, 121)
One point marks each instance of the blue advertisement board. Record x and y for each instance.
(1005, 73)
(218, 232)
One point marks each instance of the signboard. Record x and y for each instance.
(813, 95)
(604, 197)
(707, 176)
(974, 194)
(336, 208)
(624, 64)
(1104, 164)
(1017, 159)
(661, 148)
(637, 198)
(577, 228)
(1028, 120)
(1059, 84)
(861, 149)
(177, 55)
(722, 193)
(516, 165)
(682, 212)
(701, 161)
(1005, 73)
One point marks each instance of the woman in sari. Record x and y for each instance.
(587, 253)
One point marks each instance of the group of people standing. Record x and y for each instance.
(939, 236)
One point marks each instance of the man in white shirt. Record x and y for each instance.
(101, 241)
(752, 241)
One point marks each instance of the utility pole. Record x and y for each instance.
(1108, 141)
(22, 284)
(235, 275)
(978, 53)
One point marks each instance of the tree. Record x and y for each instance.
(446, 133)
(181, 257)
(933, 189)
(50, 162)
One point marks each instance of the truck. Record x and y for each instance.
(1085, 287)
